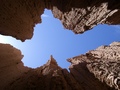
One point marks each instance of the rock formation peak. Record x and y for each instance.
(52, 61)
(50, 66)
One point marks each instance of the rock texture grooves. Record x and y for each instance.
(107, 65)
(82, 15)
(18, 17)
(104, 63)
(96, 70)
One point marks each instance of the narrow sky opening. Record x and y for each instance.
(50, 38)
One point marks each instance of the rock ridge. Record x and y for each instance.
(86, 72)
(19, 17)
(104, 63)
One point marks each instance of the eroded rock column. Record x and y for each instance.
(11, 66)
(104, 63)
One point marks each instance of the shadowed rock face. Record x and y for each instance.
(11, 66)
(18, 17)
(96, 70)
(87, 72)
(47, 77)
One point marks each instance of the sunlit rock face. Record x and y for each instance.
(18, 17)
(82, 15)
(104, 63)
(107, 65)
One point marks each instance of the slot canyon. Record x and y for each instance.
(97, 69)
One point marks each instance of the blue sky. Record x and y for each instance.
(51, 38)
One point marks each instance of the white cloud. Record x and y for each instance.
(116, 26)
(44, 15)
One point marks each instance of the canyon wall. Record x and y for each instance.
(96, 70)
(104, 63)
(82, 15)
(19, 17)
(11, 66)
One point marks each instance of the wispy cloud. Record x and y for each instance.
(117, 28)
(44, 15)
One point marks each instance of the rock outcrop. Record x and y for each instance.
(11, 66)
(107, 65)
(18, 17)
(82, 15)
(104, 63)
(96, 70)
(47, 77)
